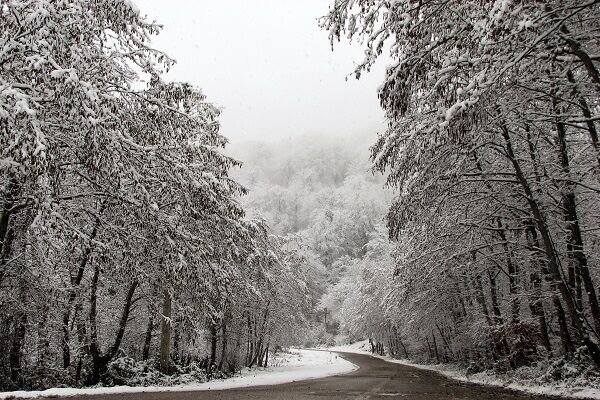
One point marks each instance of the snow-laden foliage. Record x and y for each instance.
(492, 149)
(117, 210)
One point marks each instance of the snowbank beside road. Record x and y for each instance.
(297, 365)
(362, 347)
(577, 391)
(489, 379)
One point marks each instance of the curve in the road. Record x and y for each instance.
(376, 379)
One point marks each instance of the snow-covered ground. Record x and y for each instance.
(484, 378)
(578, 392)
(361, 347)
(297, 365)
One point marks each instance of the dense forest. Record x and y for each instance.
(123, 244)
(138, 247)
(492, 152)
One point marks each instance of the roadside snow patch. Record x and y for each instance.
(297, 365)
(487, 379)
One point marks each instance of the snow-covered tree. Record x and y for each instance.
(492, 149)
(115, 194)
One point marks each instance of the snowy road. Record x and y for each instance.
(376, 379)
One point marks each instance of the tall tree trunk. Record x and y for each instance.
(494, 297)
(480, 298)
(44, 354)
(94, 347)
(148, 336)
(100, 360)
(112, 352)
(563, 329)
(532, 237)
(261, 358)
(223, 345)
(176, 338)
(16, 348)
(551, 255)
(8, 238)
(581, 53)
(9, 208)
(81, 329)
(445, 341)
(259, 346)
(575, 240)
(165, 334)
(250, 351)
(266, 361)
(513, 274)
(75, 282)
(66, 347)
(535, 302)
(435, 349)
(213, 343)
(428, 347)
(587, 114)
(403, 347)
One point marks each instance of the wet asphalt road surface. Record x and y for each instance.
(376, 379)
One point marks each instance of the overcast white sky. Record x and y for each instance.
(268, 65)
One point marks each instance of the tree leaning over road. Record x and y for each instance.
(117, 210)
(492, 147)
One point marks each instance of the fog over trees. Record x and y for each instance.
(138, 247)
(321, 195)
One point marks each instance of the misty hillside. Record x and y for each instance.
(293, 182)
(321, 194)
